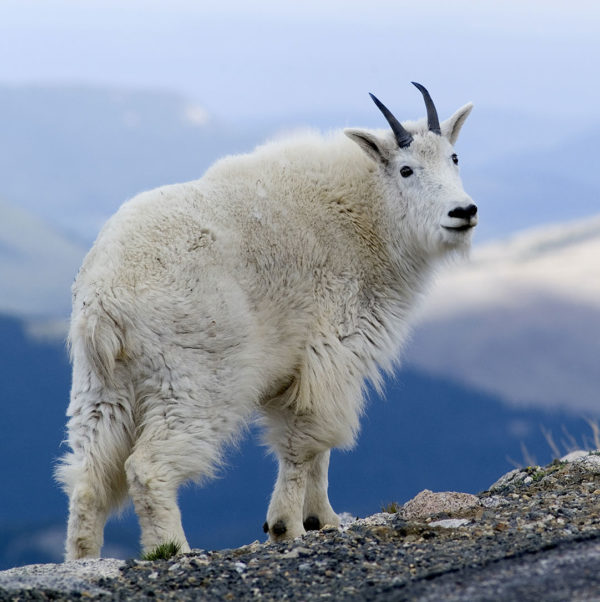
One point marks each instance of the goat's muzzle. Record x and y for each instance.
(464, 218)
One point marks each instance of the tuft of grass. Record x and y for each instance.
(537, 475)
(392, 508)
(163, 552)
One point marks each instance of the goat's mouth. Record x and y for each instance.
(462, 228)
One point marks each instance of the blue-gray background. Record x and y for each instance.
(99, 101)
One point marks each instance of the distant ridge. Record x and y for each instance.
(37, 265)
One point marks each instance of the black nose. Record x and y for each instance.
(463, 212)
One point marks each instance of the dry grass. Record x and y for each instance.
(391, 508)
(566, 444)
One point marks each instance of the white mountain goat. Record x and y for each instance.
(275, 285)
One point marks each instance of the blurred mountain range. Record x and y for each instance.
(521, 319)
(37, 265)
(72, 155)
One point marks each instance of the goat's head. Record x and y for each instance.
(419, 171)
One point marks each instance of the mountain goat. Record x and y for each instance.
(276, 285)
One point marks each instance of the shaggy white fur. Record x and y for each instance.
(275, 285)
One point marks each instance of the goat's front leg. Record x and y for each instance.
(317, 509)
(301, 443)
(285, 514)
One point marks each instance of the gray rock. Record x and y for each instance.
(77, 575)
(589, 463)
(493, 501)
(450, 523)
(574, 455)
(427, 503)
(510, 478)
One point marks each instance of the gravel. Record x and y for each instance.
(534, 535)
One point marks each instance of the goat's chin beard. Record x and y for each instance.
(456, 244)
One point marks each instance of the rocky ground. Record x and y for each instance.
(535, 535)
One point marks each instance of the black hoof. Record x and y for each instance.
(312, 523)
(279, 528)
(266, 527)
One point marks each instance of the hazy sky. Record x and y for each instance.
(276, 58)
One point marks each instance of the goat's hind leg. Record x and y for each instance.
(153, 482)
(100, 433)
(180, 440)
(87, 515)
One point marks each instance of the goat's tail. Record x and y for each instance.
(98, 331)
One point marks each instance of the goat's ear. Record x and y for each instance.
(451, 127)
(373, 146)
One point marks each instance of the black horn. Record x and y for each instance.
(403, 138)
(433, 122)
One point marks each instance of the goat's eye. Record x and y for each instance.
(406, 171)
(455, 159)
